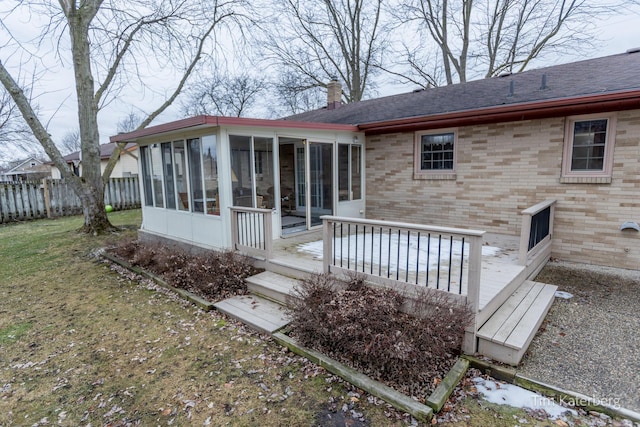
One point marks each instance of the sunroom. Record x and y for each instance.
(205, 176)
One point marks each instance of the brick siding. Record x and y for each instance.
(504, 168)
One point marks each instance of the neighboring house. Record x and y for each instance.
(127, 164)
(550, 155)
(31, 169)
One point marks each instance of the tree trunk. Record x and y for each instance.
(92, 190)
(95, 215)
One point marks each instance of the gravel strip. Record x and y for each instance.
(590, 343)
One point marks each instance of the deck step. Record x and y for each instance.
(258, 313)
(507, 334)
(295, 267)
(272, 286)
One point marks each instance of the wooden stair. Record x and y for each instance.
(258, 313)
(506, 335)
(273, 286)
(264, 309)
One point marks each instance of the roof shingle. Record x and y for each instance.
(610, 74)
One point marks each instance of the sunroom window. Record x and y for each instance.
(156, 174)
(167, 161)
(349, 172)
(182, 175)
(252, 173)
(195, 174)
(145, 161)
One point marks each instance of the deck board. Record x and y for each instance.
(496, 321)
(254, 311)
(274, 281)
(495, 278)
(507, 334)
(532, 319)
(514, 318)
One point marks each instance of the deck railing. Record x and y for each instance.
(392, 253)
(537, 229)
(252, 231)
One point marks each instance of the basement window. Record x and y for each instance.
(588, 149)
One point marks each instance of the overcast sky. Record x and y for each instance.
(58, 108)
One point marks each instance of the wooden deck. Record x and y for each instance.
(505, 321)
(498, 271)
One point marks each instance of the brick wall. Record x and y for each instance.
(505, 168)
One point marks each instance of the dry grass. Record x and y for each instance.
(81, 344)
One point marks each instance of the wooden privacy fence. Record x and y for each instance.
(54, 197)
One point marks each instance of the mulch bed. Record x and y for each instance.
(211, 275)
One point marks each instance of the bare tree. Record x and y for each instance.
(224, 95)
(110, 42)
(15, 137)
(477, 38)
(317, 41)
(129, 123)
(296, 97)
(70, 142)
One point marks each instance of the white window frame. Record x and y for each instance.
(418, 172)
(588, 176)
(349, 171)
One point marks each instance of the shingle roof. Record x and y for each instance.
(610, 74)
(105, 151)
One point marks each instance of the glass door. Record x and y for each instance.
(320, 157)
(314, 180)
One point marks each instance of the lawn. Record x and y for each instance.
(81, 344)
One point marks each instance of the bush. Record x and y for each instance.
(364, 327)
(212, 275)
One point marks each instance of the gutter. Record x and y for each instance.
(215, 121)
(618, 101)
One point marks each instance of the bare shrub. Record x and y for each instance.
(212, 275)
(216, 275)
(364, 326)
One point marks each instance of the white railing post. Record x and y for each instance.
(525, 233)
(469, 343)
(268, 234)
(552, 212)
(327, 250)
(234, 229)
(475, 269)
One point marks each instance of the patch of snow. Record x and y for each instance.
(512, 395)
(415, 251)
(563, 295)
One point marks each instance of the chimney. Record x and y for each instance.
(334, 94)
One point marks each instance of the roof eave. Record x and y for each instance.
(213, 121)
(618, 101)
